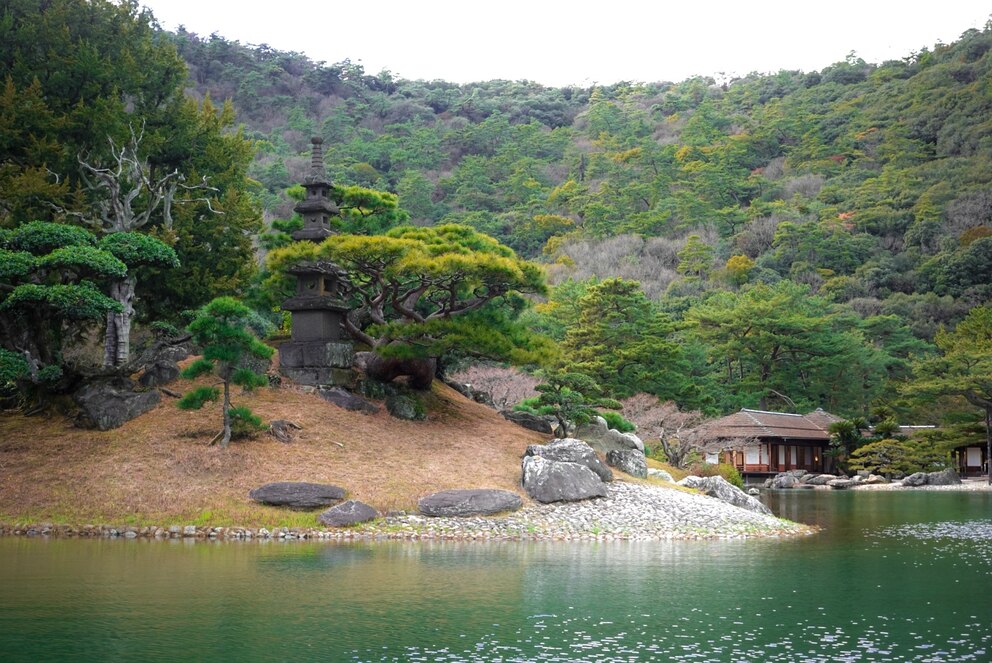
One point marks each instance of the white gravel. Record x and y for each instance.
(629, 511)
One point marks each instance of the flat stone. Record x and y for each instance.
(347, 513)
(297, 494)
(570, 450)
(347, 400)
(469, 502)
(841, 484)
(530, 421)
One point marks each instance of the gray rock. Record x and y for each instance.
(530, 421)
(946, 477)
(159, 373)
(405, 407)
(282, 430)
(464, 503)
(347, 400)
(753, 492)
(875, 479)
(630, 461)
(108, 404)
(604, 439)
(917, 479)
(820, 479)
(570, 450)
(297, 494)
(347, 513)
(841, 484)
(660, 474)
(549, 481)
(724, 491)
(783, 480)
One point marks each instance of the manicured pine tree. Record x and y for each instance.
(222, 330)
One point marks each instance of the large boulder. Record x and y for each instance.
(604, 439)
(723, 490)
(297, 494)
(550, 481)
(570, 450)
(464, 503)
(347, 513)
(347, 400)
(631, 461)
(159, 373)
(782, 481)
(107, 404)
(946, 477)
(530, 421)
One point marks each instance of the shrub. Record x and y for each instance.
(616, 421)
(725, 470)
(898, 457)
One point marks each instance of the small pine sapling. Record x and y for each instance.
(222, 329)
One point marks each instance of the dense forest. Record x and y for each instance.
(787, 241)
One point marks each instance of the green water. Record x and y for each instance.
(893, 577)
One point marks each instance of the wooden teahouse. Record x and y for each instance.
(766, 443)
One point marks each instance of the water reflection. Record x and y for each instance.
(891, 578)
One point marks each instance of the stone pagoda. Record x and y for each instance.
(320, 352)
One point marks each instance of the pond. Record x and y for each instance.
(894, 576)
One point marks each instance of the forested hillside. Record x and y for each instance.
(802, 235)
(787, 241)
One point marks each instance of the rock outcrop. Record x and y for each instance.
(723, 490)
(469, 502)
(631, 461)
(551, 481)
(107, 404)
(570, 450)
(347, 513)
(297, 494)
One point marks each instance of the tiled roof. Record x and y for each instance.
(760, 424)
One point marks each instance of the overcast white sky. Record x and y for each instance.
(581, 42)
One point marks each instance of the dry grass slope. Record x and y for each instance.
(158, 468)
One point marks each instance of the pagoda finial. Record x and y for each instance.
(317, 155)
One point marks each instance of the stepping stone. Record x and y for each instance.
(297, 494)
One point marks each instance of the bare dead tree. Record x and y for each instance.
(677, 432)
(129, 195)
(506, 386)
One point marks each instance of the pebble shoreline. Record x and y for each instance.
(632, 512)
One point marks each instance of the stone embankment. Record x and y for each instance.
(629, 511)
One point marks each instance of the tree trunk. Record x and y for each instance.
(227, 415)
(117, 338)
